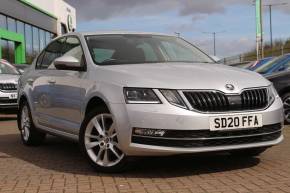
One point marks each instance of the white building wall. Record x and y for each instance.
(58, 8)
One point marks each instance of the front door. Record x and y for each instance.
(66, 90)
(57, 96)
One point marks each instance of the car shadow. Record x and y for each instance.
(64, 156)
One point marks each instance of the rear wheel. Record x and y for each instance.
(248, 152)
(99, 142)
(286, 104)
(29, 134)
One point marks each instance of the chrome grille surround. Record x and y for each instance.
(214, 101)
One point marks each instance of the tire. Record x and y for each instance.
(30, 135)
(100, 146)
(286, 104)
(248, 152)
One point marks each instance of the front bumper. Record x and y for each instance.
(6, 102)
(168, 117)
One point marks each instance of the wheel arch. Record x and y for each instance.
(95, 102)
(22, 98)
(284, 91)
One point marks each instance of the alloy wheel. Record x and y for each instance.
(25, 123)
(286, 104)
(101, 141)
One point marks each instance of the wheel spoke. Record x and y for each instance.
(113, 135)
(99, 154)
(116, 144)
(98, 127)
(106, 158)
(287, 115)
(92, 144)
(114, 152)
(111, 129)
(93, 137)
(103, 123)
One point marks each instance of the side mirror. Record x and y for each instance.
(68, 63)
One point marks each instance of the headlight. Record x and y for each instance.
(173, 98)
(272, 94)
(140, 95)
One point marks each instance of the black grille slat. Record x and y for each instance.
(213, 101)
(8, 87)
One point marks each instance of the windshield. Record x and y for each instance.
(136, 49)
(269, 65)
(8, 69)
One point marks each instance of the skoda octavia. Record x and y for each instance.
(123, 94)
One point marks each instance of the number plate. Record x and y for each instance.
(236, 122)
(13, 96)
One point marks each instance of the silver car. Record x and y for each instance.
(123, 94)
(9, 76)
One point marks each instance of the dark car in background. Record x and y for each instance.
(276, 65)
(256, 64)
(281, 81)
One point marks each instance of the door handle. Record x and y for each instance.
(51, 81)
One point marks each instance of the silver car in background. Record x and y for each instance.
(9, 76)
(126, 94)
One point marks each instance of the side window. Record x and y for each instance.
(40, 58)
(53, 51)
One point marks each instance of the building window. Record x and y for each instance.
(41, 39)
(3, 22)
(28, 42)
(20, 27)
(35, 38)
(11, 23)
(11, 51)
(5, 49)
(35, 41)
(47, 38)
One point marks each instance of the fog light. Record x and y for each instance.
(149, 132)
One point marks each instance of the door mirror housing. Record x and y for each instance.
(68, 63)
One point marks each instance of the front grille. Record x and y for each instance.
(214, 101)
(8, 87)
(206, 138)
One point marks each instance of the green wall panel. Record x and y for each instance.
(19, 41)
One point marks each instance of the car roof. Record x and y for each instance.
(116, 33)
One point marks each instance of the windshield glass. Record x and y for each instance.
(8, 69)
(268, 65)
(136, 49)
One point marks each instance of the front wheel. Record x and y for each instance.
(99, 142)
(286, 104)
